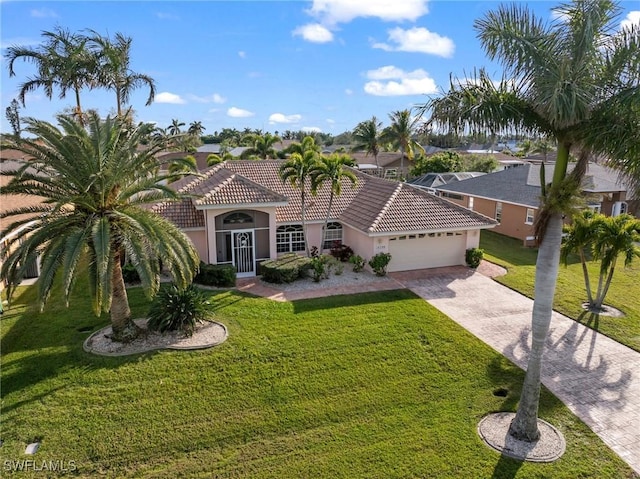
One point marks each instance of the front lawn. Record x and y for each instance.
(624, 293)
(375, 385)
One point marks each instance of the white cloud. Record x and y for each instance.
(215, 98)
(632, 18)
(331, 121)
(167, 16)
(418, 40)
(166, 97)
(314, 32)
(43, 13)
(242, 54)
(392, 81)
(239, 112)
(348, 91)
(280, 118)
(332, 12)
(311, 129)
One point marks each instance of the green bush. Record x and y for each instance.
(218, 275)
(284, 269)
(473, 257)
(130, 274)
(176, 309)
(379, 263)
(320, 267)
(358, 263)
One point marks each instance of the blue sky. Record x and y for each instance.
(321, 65)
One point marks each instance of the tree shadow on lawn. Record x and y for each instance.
(506, 468)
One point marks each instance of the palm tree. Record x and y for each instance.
(575, 80)
(614, 236)
(308, 143)
(196, 129)
(94, 183)
(262, 146)
(63, 61)
(174, 128)
(400, 135)
(331, 169)
(297, 170)
(368, 137)
(578, 239)
(114, 73)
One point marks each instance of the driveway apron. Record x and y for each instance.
(596, 377)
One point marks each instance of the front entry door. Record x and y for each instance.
(244, 253)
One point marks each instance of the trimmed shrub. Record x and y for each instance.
(341, 252)
(320, 267)
(176, 309)
(285, 269)
(358, 263)
(473, 257)
(379, 263)
(218, 275)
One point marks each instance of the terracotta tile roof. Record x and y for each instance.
(374, 205)
(11, 202)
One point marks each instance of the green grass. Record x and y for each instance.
(624, 293)
(364, 386)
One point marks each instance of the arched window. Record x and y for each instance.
(332, 235)
(289, 238)
(237, 218)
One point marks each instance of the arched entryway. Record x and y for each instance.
(242, 239)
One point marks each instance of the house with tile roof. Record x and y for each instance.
(11, 160)
(241, 213)
(512, 196)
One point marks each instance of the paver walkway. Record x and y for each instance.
(596, 377)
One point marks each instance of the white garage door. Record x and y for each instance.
(427, 251)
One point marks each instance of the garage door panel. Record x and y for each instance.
(427, 252)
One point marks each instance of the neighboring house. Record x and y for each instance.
(242, 213)
(512, 196)
(431, 181)
(9, 202)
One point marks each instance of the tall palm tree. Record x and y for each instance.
(94, 182)
(63, 61)
(196, 128)
(114, 72)
(297, 171)
(331, 169)
(400, 134)
(368, 137)
(174, 128)
(575, 80)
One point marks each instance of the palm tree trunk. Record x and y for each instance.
(118, 102)
(78, 107)
(124, 329)
(304, 223)
(587, 281)
(601, 295)
(525, 425)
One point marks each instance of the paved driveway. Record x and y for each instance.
(596, 377)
